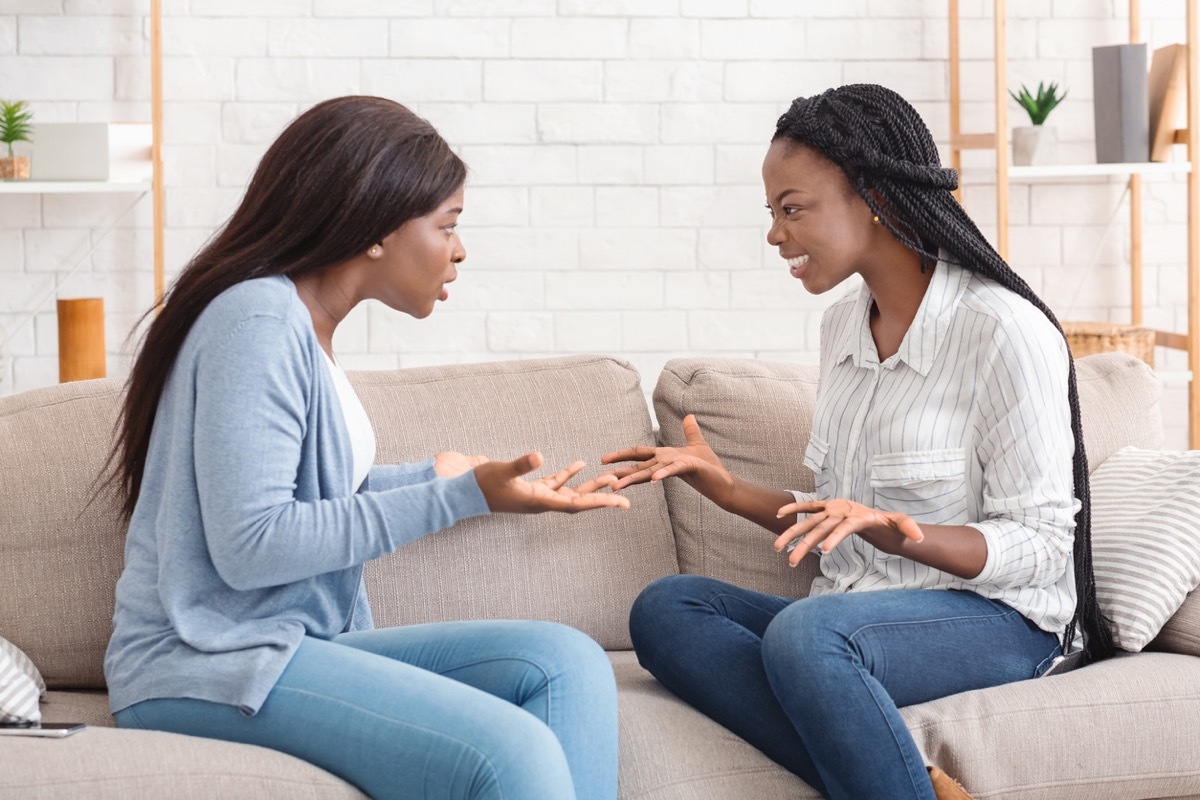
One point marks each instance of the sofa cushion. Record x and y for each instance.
(1119, 402)
(62, 556)
(1181, 634)
(110, 762)
(670, 751)
(1122, 728)
(1046, 739)
(1145, 539)
(756, 416)
(583, 570)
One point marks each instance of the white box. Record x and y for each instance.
(90, 151)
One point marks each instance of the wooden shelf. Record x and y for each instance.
(1005, 173)
(73, 187)
(1098, 170)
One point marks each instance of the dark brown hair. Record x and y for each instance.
(341, 176)
(887, 153)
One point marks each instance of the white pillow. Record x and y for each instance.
(21, 686)
(1145, 539)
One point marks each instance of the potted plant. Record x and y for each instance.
(1035, 144)
(14, 127)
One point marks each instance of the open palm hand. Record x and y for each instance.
(505, 488)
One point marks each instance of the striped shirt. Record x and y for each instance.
(968, 423)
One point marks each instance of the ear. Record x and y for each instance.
(880, 203)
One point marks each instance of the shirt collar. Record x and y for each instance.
(927, 332)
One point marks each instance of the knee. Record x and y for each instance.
(562, 653)
(661, 603)
(658, 620)
(804, 643)
(523, 759)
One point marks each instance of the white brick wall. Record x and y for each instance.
(614, 202)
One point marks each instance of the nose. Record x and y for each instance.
(776, 234)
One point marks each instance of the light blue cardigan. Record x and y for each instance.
(246, 536)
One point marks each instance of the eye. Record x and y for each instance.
(450, 228)
(789, 211)
(770, 211)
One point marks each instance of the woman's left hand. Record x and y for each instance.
(829, 522)
(451, 464)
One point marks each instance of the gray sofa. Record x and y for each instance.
(1125, 728)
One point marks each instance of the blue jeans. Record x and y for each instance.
(815, 683)
(487, 709)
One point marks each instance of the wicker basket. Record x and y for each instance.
(1087, 338)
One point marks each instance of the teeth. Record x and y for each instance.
(799, 261)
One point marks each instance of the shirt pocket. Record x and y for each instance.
(816, 458)
(929, 485)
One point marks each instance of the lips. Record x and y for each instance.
(444, 295)
(796, 265)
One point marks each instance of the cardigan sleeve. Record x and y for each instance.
(390, 476)
(250, 437)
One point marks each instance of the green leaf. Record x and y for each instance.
(1039, 106)
(15, 122)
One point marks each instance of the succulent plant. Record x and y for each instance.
(1040, 105)
(14, 123)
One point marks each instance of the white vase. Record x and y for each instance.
(1034, 145)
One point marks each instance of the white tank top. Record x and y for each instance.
(362, 435)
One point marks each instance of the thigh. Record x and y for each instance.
(556, 673)
(920, 644)
(514, 660)
(668, 603)
(390, 728)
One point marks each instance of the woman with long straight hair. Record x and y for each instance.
(951, 511)
(246, 462)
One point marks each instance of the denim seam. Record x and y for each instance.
(896, 737)
(962, 618)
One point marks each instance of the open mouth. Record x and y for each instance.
(796, 265)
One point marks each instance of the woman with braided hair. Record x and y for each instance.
(951, 511)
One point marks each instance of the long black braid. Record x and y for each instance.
(889, 157)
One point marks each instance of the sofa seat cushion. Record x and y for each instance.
(108, 762)
(1123, 728)
(583, 570)
(671, 752)
(1119, 729)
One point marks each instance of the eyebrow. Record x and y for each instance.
(455, 210)
(779, 197)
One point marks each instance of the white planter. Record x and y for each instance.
(1034, 145)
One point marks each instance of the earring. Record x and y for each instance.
(875, 219)
(375, 252)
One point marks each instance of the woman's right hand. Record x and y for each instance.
(505, 489)
(695, 463)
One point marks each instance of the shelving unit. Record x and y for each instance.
(74, 187)
(119, 185)
(1007, 174)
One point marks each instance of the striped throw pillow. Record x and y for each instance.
(1145, 539)
(21, 686)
